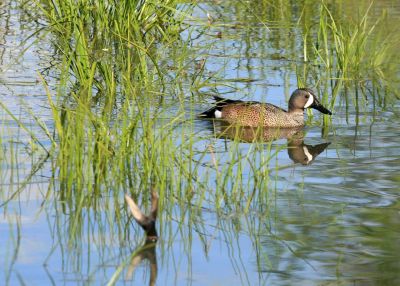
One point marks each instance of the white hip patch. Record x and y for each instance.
(309, 101)
(309, 156)
(218, 114)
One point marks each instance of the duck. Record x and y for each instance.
(256, 114)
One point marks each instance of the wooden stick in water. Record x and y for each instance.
(148, 223)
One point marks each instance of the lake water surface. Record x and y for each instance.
(329, 219)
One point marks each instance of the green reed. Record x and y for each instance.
(352, 52)
(118, 130)
(107, 103)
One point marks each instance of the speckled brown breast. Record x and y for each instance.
(258, 114)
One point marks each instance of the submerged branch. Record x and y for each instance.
(148, 223)
(146, 251)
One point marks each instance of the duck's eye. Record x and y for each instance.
(307, 95)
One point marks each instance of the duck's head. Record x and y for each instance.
(303, 98)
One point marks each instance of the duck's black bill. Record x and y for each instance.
(318, 106)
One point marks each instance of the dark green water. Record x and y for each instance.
(331, 220)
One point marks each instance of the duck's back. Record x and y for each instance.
(261, 114)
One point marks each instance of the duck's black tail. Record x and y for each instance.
(220, 102)
(209, 113)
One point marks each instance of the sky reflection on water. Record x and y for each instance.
(335, 220)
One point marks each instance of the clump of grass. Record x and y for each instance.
(108, 64)
(356, 52)
(114, 129)
(108, 103)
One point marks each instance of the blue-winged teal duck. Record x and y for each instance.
(254, 114)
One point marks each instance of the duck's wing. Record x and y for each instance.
(220, 103)
(272, 107)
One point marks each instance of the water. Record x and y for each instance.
(330, 220)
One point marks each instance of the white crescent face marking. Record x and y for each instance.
(218, 114)
(309, 101)
(309, 156)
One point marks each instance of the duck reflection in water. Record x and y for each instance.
(298, 151)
